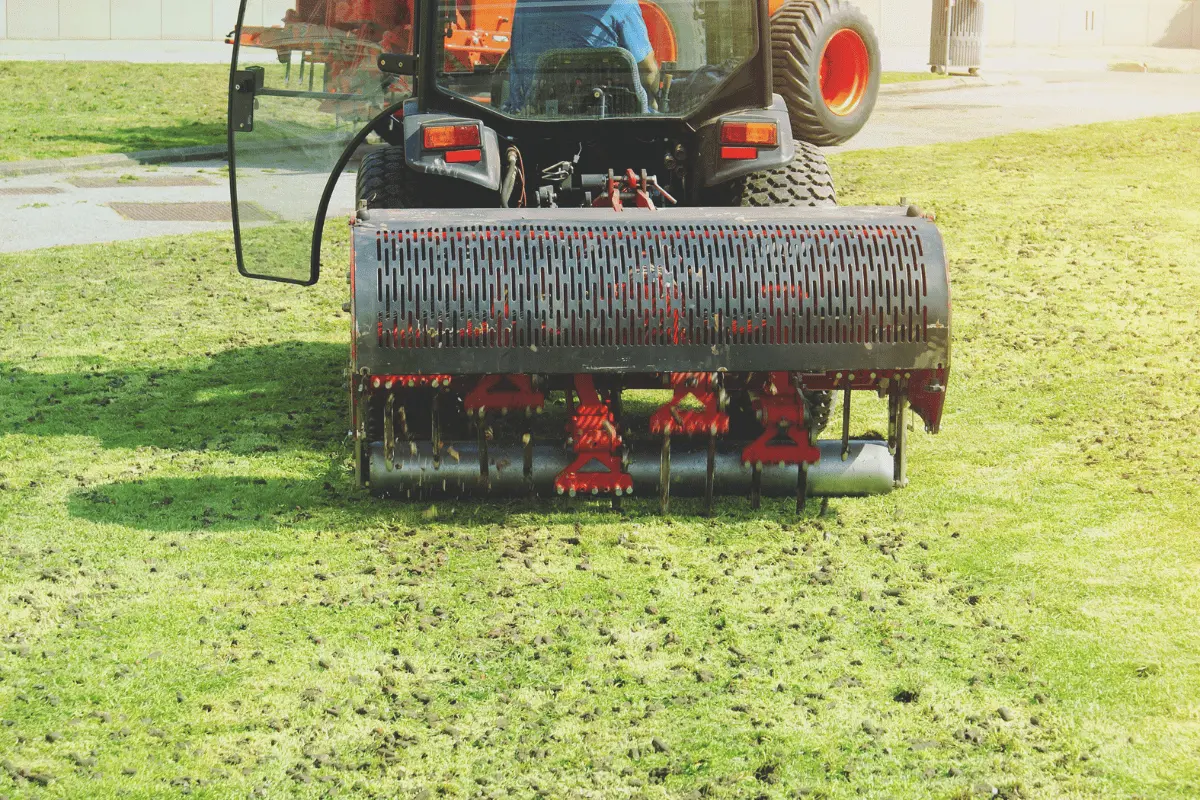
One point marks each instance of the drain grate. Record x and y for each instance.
(188, 212)
(26, 191)
(147, 182)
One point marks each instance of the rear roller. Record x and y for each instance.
(868, 470)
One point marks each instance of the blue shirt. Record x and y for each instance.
(542, 25)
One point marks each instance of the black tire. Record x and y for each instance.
(800, 32)
(385, 181)
(806, 181)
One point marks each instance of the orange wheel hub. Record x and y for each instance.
(845, 72)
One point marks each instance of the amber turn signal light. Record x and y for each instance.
(757, 134)
(447, 137)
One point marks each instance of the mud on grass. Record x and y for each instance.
(194, 599)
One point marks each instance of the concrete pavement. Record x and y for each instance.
(51, 209)
(1030, 102)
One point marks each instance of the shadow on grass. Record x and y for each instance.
(129, 140)
(275, 398)
(267, 403)
(243, 502)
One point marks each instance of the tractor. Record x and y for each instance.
(594, 249)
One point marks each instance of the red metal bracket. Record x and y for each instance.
(612, 195)
(781, 408)
(639, 188)
(671, 419)
(504, 393)
(597, 468)
(410, 381)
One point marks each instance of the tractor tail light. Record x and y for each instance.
(739, 153)
(449, 137)
(755, 134)
(464, 156)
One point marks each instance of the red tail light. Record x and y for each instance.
(739, 153)
(448, 137)
(759, 134)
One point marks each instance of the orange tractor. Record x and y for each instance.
(561, 204)
(825, 56)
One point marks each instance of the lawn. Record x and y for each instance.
(194, 598)
(62, 110)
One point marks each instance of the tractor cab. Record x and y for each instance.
(581, 87)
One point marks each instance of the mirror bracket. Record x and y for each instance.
(246, 84)
(398, 64)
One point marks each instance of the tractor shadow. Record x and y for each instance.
(263, 403)
(276, 398)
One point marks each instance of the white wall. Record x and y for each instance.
(1165, 23)
(193, 20)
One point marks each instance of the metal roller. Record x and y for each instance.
(868, 469)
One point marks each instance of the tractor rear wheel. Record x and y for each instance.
(385, 181)
(825, 58)
(806, 181)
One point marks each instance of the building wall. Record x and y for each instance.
(900, 23)
(191, 20)
(1165, 23)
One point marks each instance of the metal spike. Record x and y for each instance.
(846, 424)
(756, 488)
(711, 475)
(483, 453)
(527, 440)
(389, 433)
(802, 489)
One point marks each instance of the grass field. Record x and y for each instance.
(61, 110)
(194, 598)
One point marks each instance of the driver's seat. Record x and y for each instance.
(566, 83)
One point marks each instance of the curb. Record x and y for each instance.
(12, 169)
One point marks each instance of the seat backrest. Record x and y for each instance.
(566, 81)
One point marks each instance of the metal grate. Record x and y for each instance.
(627, 285)
(601, 286)
(137, 182)
(188, 212)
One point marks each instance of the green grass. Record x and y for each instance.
(908, 77)
(64, 109)
(194, 596)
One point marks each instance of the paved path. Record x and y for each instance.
(1035, 102)
(71, 214)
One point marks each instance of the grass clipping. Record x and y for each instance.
(194, 598)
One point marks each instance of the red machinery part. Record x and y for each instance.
(593, 434)
(411, 381)
(781, 409)
(672, 419)
(504, 393)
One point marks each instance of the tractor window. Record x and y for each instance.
(593, 59)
